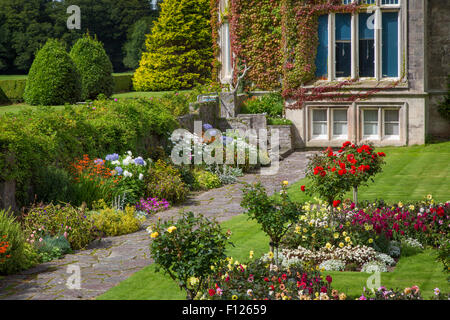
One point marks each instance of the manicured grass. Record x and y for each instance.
(13, 77)
(410, 174)
(14, 108)
(149, 285)
(421, 270)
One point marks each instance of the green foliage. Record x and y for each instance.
(178, 51)
(113, 222)
(3, 98)
(135, 45)
(123, 83)
(274, 215)
(176, 103)
(12, 238)
(94, 67)
(51, 248)
(13, 89)
(53, 77)
(57, 220)
(272, 104)
(35, 139)
(164, 182)
(53, 184)
(188, 249)
(444, 255)
(444, 107)
(205, 180)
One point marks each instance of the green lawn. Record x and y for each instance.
(13, 77)
(410, 173)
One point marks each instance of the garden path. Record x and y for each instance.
(108, 262)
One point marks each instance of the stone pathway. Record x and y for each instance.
(111, 260)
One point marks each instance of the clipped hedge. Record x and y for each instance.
(3, 98)
(13, 89)
(94, 67)
(33, 139)
(53, 78)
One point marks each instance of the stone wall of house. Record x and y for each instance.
(416, 44)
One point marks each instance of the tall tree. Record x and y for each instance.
(178, 51)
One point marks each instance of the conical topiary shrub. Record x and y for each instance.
(53, 78)
(94, 67)
(178, 52)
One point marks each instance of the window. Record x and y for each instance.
(370, 123)
(322, 50)
(365, 44)
(343, 49)
(320, 123)
(391, 124)
(340, 124)
(390, 44)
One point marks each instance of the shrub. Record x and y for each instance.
(227, 174)
(177, 103)
(123, 83)
(332, 265)
(177, 58)
(374, 266)
(94, 67)
(53, 184)
(188, 249)
(386, 259)
(444, 106)
(53, 78)
(444, 255)
(14, 254)
(3, 98)
(113, 222)
(205, 180)
(56, 220)
(13, 89)
(51, 248)
(274, 216)
(272, 104)
(164, 182)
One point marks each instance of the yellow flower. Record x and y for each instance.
(411, 207)
(234, 297)
(429, 197)
(193, 281)
(212, 268)
(297, 229)
(154, 235)
(285, 182)
(171, 229)
(304, 237)
(370, 240)
(336, 235)
(251, 254)
(270, 255)
(400, 204)
(344, 234)
(305, 230)
(342, 296)
(347, 239)
(313, 235)
(341, 245)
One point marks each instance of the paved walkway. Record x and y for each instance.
(108, 262)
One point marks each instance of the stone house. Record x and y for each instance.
(396, 50)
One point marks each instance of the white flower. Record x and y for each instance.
(127, 174)
(116, 162)
(127, 161)
(129, 153)
(149, 230)
(141, 176)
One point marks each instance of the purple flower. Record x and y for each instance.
(139, 161)
(207, 126)
(112, 157)
(119, 170)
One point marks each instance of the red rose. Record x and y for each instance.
(323, 173)
(212, 292)
(336, 203)
(329, 279)
(303, 188)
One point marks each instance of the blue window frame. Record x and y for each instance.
(389, 1)
(366, 45)
(322, 50)
(343, 47)
(390, 44)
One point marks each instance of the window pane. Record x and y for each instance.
(390, 44)
(366, 45)
(370, 129)
(343, 45)
(319, 129)
(391, 115)
(343, 26)
(320, 115)
(370, 115)
(322, 50)
(391, 129)
(340, 129)
(340, 115)
(389, 1)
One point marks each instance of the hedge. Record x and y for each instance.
(33, 139)
(14, 89)
(3, 98)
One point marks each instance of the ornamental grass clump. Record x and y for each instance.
(188, 250)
